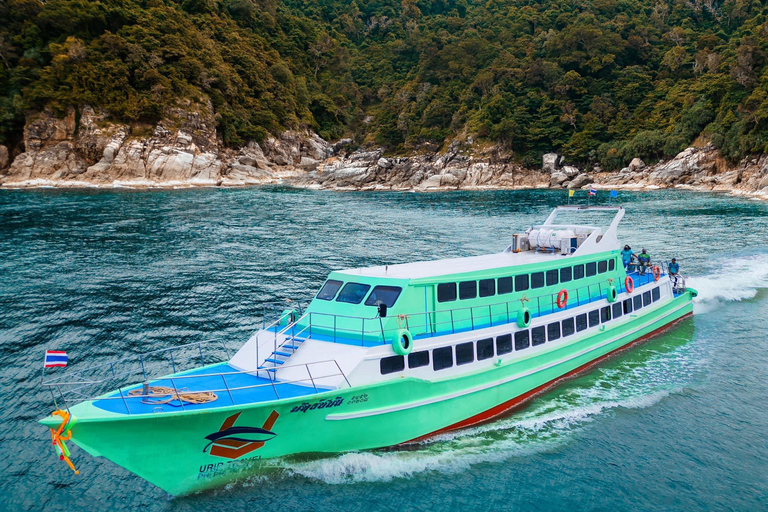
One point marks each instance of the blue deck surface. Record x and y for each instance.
(256, 390)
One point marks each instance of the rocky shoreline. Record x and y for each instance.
(84, 149)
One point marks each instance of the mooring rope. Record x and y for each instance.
(184, 395)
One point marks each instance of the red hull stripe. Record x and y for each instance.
(519, 400)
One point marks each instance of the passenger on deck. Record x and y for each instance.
(674, 271)
(627, 255)
(644, 260)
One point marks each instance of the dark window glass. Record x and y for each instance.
(656, 294)
(468, 289)
(605, 314)
(486, 287)
(581, 322)
(503, 344)
(446, 292)
(646, 298)
(537, 280)
(329, 289)
(465, 353)
(442, 358)
(616, 309)
(566, 273)
(591, 269)
(612, 265)
(353, 293)
(383, 295)
(578, 271)
(637, 300)
(504, 285)
(485, 349)
(568, 327)
(594, 318)
(552, 277)
(392, 364)
(418, 359)
(538, 335)
(553, 331)
(627, 306)
(602, 266)
(521, 283)
(522, 339)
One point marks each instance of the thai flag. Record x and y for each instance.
(55, 358)
(592, 191)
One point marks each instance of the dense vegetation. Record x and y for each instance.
(599, 80)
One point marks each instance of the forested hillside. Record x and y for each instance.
(598, 80)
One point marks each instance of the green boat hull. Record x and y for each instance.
(180, 452)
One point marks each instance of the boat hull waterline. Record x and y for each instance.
(188, 451)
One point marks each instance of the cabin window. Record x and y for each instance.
(616, 309)
(465, 353)
(442, 358)
(503, 344)
(591, 269)
(578, 271)
(467, 290)
(504, 285)
(486, 287)
(637, 300)
(392, 364)
(581, 322)
(418, 359)
(611, 265)
(521, 283)
(485, 349)
(568, 327)
(605, 314)
(446, 292)
(522, 339)
(602, 266)
(329, 289)
(353, 293)
(552, 277)
(656, 294)
(646, 298)
(386, 295)
(553, 331)
(537, 280)
(627, 306)
(538, 335)
(594, 318)
(566, 274)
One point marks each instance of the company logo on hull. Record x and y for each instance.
(232, 442)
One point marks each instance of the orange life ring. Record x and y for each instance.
(629, 284)
(562, 298)
(656, 273)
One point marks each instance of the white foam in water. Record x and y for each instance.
(735, 280)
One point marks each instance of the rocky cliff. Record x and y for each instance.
(85, 149)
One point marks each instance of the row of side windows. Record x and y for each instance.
(465, 353)
(447, 292)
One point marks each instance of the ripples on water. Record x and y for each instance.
(676, 423)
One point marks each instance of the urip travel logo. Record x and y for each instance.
(232, 442)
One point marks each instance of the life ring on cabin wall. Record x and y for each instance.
(629, 284)
(612, 294)
(562, 298)
(656, 273)
(403, 342)
(523, 317)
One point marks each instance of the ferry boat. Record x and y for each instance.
(380, 357)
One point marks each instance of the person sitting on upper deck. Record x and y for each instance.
(644, 260)
(627, 255)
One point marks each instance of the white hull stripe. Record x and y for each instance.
(482, 387)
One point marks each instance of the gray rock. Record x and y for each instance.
(580, 181)
(636, 164)
(549, 162)
(570, 171)
(384, 163)
(557, 179)
(5, 159)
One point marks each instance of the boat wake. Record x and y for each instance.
(636, 381)
(736, 279)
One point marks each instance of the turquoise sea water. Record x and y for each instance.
(677, 423)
